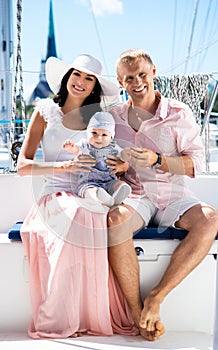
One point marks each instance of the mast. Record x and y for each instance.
(6, 52)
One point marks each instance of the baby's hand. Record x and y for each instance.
(68, 143)
(70, 147)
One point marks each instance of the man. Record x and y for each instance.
(163, 145)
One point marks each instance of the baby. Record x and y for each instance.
(99, 184)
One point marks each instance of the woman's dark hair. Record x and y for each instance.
(90, 105)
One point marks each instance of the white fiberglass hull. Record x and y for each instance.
(188, 312)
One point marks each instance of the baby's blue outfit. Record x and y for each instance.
(100, 175)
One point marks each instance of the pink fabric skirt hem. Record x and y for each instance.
(72, 287)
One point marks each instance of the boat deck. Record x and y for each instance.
(169, 341)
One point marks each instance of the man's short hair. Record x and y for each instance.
(131, 56)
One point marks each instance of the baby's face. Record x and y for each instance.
(99, 138)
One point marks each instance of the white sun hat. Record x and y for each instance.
(56, 69)
(104, 121)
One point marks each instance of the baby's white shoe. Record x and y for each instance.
(104, 197)
(121, 193)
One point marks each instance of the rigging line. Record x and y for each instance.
(18, 74)
(203, 33)
(212, 30)
(191, 35)
(202, 57)
(37, 72)
(214, 20)
(174, 33)
(98, 35)
(193, 54)
(12, 70)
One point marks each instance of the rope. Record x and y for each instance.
(190, 89)
(192, 33)
(18, 75)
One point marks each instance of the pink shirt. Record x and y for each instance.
(172, 131)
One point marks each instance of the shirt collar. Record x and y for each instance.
(162, 108)
(161, 111)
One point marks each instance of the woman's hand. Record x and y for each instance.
(116, 165)
(80, 163)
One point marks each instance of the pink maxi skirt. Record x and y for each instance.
(72, 287)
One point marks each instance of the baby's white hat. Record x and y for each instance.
(102, 120)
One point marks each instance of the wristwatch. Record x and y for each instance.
(158, 162)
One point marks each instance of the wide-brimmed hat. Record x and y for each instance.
(56, 69)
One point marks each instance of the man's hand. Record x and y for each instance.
(116, 165)
(142, 157)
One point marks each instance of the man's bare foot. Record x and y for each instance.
(150, 326)
(153, 335)
(149, 335)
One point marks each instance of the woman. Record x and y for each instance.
(71, 287)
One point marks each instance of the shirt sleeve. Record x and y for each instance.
(83, 147)
(189, 141)
(118, 149)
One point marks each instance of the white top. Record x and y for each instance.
(52, 146)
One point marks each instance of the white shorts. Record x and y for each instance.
(162, 218)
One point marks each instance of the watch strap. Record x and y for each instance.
(158, 162)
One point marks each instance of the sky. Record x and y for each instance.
(180, 35)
